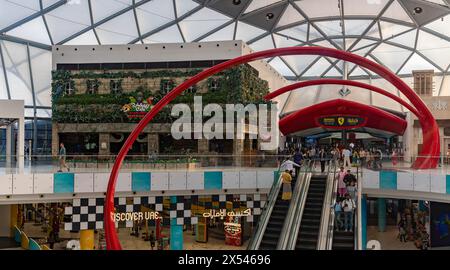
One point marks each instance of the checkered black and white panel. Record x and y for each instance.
(88, 213)
(181, 210)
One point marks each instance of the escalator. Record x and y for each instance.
(343, 240)
(309, 231)
(276, 222)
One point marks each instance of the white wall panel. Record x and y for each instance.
(177, 181)
(22, 184)
(6, 184)
(230, 179)
(43, 183)
(84, 182)
(101, 182)
(371, 179)
(422, 182)
(438, 183)
(160, 181)
(195, 180)
(405, 181)
(247, 179)
(264, 179)
(124, 182)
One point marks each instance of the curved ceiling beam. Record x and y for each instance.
(361, 85)
(429, 155)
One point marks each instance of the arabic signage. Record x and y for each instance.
(224, 213)
(138, 107)
(233, 230)
(341, 121)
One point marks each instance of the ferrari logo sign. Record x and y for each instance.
(341, 121)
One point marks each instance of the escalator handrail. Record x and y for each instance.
(358, 226)
(327, 218)
(299, 208)
(330, 232)
(255, 241)
(298, 193)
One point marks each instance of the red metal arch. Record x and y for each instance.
(361, 85)
(429, 126)
(375, 118)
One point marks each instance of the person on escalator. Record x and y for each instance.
(286, 179)
(341, 184)
(338, 224)
(288, 165)
(348, 206)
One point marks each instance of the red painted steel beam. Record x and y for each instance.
(307, 118)
(361, 85)
(430, 129)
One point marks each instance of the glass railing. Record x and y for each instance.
(104, 163)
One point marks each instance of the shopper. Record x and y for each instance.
(349, 177)
(62, 158)
(352, 190)
(287, 189)
(402, 230)
(346, 155)
(152, 240)
(338, 224)
(362, 156)
(348, 205)
(298, 159)
(288, 165)
(341, 183)
(394, 158)
(323, 159)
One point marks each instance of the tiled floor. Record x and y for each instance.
(388, 239)
(129, 242)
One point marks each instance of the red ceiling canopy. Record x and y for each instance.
(335, 114)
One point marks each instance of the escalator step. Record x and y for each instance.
(310, 221)
(305, 247)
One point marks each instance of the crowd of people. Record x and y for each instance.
(341, 155)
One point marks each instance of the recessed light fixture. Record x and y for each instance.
(236, 2)
(269, 16)
(418, 10)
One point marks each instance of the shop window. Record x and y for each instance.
(423, 82)
(92, 86)
(447, 131)
(166, 86)
(214, 85)
(69, 88)
(116, 86)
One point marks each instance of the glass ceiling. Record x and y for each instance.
(403, 35)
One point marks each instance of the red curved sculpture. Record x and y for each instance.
(430, 129)
(298, 85)
(307, 118)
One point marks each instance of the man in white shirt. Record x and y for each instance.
(348, 205)
(346, 155)
(288, 164)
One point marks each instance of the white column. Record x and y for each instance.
(20, 143)
(8, 145)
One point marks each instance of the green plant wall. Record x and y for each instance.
(238, 85)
